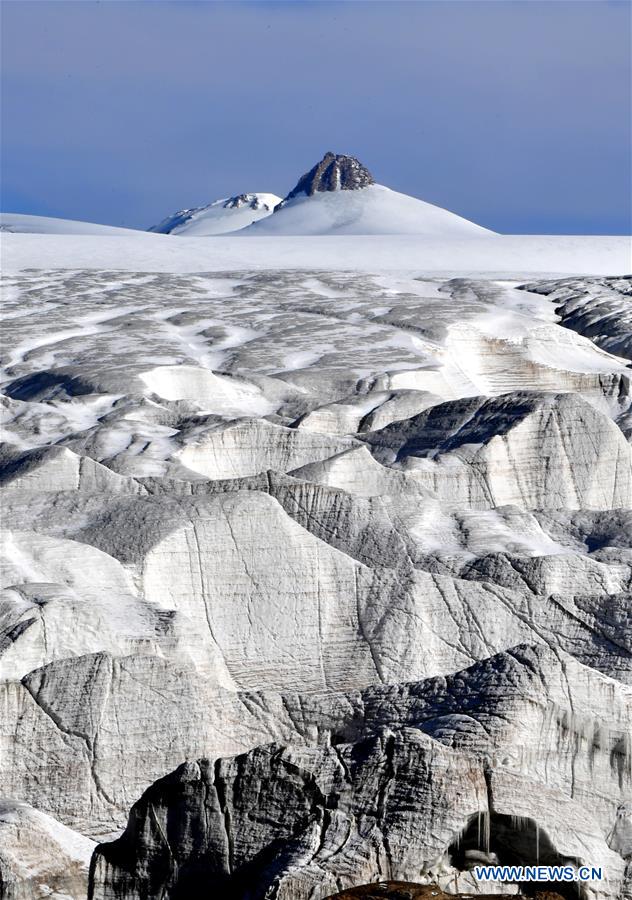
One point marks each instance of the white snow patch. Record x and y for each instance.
(17, 223)
(74, 845)
(374, 209)
(218, 394)
(477, 533)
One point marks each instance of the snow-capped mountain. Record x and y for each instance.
(340, 196)
(221, 216)
(337, 196)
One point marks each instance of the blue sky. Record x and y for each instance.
(514, 114)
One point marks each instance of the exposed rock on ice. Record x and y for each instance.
(335, 172)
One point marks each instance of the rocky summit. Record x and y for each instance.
(316, 583)
(253, 201)
(335, 172)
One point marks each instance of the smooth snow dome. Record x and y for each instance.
(221, 216)
(16, 223)
(374, 209)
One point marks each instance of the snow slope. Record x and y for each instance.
(374, 209)
(219, 217)
(516, 256)
(17, 223)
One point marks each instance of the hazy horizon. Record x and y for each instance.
(514, 114)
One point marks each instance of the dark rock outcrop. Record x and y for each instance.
(335, 172)
(253, 201)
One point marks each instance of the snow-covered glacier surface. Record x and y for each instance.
(500, 255)
(312, 576)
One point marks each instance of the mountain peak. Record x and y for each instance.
(221, 216)
(335, 172)
(252, 201)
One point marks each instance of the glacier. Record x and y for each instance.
(317, 560)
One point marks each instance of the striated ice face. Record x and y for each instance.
(326, 574)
